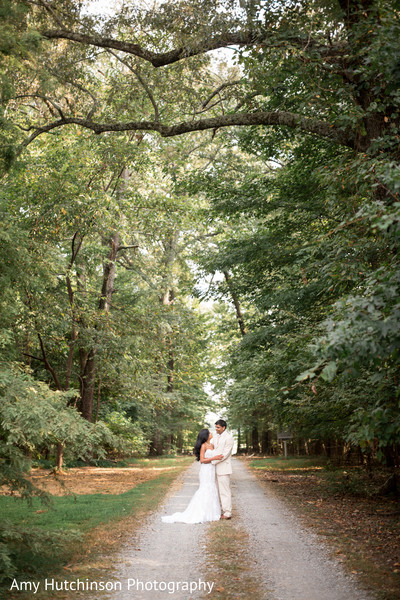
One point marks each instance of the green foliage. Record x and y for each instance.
(124, 428)
(33, 417)
(58, 302)
(19, 544)
(35, 541)
(104, 236)
(313, 257)
(354, 482)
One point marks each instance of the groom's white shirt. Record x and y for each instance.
(223, 445)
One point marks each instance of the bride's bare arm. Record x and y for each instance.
(207, 460)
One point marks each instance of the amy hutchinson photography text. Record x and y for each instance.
(86, 585)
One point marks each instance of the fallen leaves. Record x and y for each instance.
(364, 529)
(91, 480)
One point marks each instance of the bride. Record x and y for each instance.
(204, 505)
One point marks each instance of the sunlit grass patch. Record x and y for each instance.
(162, 461)
(153, 462)
(292, 463)
(75, 518)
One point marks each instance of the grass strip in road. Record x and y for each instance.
(228, 563)
(344, 506)
(94, 525)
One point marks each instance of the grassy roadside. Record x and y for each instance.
(228, 563)
(153, 462)
(343, 505)
(95, 525)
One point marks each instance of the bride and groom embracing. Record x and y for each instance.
(212, 500)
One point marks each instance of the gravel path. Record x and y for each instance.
(165, 553)
(290, 561)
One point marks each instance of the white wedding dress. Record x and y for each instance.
(204, 505)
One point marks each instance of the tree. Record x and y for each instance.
(335, 58)
(312, 259)
(93, 312)
(315, 91)
(34, 417)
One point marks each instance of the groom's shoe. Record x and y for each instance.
(224, 517)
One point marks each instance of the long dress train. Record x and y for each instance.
(204, 504)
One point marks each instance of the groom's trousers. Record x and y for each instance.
(224, 488)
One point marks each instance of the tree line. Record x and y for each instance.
(138, 162)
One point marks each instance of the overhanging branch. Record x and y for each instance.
(160, 59)
(322, 129)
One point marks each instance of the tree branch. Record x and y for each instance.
(75, 247)
(128, 247)
(322, 129)
(45, 99)
(160, 59)
(33, 356)
(235, 299)
(157, 59)
(49, 9)
(47, 364)
(218, 90)
(197, 238)
(80, 87)
(128, 264)
(143, 83)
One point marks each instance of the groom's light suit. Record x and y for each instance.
(223, 468)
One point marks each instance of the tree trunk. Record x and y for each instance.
(60, 457)
(168, 443)
(156, 444)
(77, 242)
(167, 299)
(87, 382)
(235, 299)
(254, 440)
(179, 442)
(109, 271)
(266, 441)
(88, 357)
(96, 418)
(70, 359)
(170, 349)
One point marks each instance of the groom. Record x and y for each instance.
(223, 468)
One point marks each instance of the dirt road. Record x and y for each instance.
(291, 561)
(166, 560)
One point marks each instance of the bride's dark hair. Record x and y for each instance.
(201, 438)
